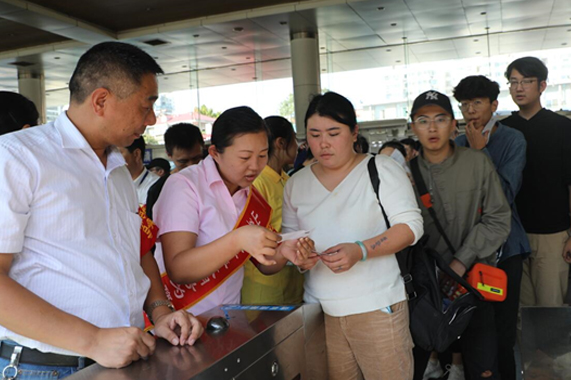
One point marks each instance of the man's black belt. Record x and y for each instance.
(32, 356)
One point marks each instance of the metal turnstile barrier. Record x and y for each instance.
(546, 343)
(260, 343)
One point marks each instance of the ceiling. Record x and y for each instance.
(217, 42)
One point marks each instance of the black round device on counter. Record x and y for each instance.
(217, 324)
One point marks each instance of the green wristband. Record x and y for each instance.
(363, 249)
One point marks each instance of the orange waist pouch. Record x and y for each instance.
(491, 282)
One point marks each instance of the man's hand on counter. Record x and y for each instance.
(179, 328)
(119, 347)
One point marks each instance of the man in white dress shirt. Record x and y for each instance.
(143, 179)
(71, 284)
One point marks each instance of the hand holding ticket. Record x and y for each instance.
(301, 234)
(298, 247)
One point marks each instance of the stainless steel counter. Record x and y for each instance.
(259, 344)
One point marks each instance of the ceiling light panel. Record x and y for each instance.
(361, 42)
(335, 15)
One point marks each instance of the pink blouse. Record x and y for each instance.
(197, 200)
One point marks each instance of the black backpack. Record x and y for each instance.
(433, 327)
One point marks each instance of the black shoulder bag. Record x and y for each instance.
(433, 327)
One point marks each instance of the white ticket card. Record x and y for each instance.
(295, 235)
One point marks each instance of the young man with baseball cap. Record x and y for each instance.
(506, 147)
(471, 207)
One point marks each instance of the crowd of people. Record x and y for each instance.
(79, 273)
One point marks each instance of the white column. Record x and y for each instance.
(32, 86)
(305, 73)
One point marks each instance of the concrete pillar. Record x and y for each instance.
(305, 72)
(32, 86)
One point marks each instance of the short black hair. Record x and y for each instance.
(16, 111)
(408, 141)
(117, 66)
(159, 163)
(394, 144)
(137, 144)
(334, 106)
(476, 86)
(529, 67)
(182, 136)
(236, 122)
(279, 126)
(361, 143)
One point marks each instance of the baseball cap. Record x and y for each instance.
(431, 98)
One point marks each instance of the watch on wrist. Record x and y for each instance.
(158, 303)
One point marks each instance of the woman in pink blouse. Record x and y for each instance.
(198, 210)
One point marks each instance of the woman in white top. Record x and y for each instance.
(354, 274)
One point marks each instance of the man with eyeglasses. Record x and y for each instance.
(471, 207)
(543, 202)
(478, 97)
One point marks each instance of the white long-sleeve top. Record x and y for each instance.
(143, 183)
(349, 213)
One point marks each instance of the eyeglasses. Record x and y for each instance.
(476, 105)
(440, 122)
(525, 83)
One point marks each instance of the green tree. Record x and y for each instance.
(287, 108)
(208, 111)
(150, 140)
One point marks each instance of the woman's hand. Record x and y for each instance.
(300, 252)
(342, 257)
(259, 242)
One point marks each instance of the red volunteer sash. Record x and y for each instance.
(256, 212)
(149, 231)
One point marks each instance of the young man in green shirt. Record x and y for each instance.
(471, 207)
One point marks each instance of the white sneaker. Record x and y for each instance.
(433, 370)
(456, 372)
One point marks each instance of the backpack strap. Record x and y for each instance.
(426, 200)
(402, 256)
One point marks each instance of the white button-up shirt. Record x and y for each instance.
(72, 227)
(143, 183)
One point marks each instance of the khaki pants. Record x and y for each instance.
(545, 273)
(374, 346)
